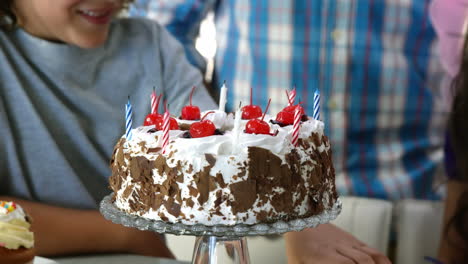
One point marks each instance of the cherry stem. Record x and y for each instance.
(251, 95)
(300, 102)
(191, 94)
(157, 102)
(266, 109)
(210, 112)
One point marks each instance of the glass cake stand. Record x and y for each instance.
(220, 243)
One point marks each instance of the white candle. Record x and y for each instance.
(237, 129)
(222, 97)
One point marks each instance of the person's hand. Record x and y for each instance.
(146, 243)
(327, 244)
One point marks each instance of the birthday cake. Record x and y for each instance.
(222, 170)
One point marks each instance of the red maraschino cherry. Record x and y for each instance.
(292, 108)
(172, 124)
(152, 118)
(191, 112)
(258, 126)
(286, 116)
(251, 111)
(204, 128)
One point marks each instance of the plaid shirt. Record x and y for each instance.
(373, 61)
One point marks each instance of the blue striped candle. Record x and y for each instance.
(128, 120)
(316, 105)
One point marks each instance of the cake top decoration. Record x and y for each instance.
(204, 128)
(153, 117)
(191, 112)
(258, 126)
(251, 111)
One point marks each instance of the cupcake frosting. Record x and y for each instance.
(14, 228)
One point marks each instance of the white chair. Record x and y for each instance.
(418, 230)
(181, 246)
(367, 219)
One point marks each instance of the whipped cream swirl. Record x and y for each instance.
(14, 229)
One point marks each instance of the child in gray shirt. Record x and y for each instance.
(66, 71)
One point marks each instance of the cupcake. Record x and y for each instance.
(16, 238)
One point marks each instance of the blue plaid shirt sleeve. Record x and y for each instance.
(376, 66)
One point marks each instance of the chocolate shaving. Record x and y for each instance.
(193, 191)
(153, 150)
(127, 191)
(184, 126)
(163, 217)
(190, 169)
(211, 159)
(220, 180)
(244, 195)
(172, 207)
(262, 216)
(189, 202)
(279, 123)
(202, 180)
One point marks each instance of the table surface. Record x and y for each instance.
(107, 259)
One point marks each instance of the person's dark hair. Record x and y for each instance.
(8, 18)
(458, 129)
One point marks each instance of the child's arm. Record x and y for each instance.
(62, 231)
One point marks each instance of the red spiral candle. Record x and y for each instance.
(165, 139)
(296, 126)
(154, 107)
(292, 96)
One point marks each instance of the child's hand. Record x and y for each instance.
(146, 243)
(327, 244)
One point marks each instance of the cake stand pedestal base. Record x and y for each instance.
(219, 243)
(226, 250)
